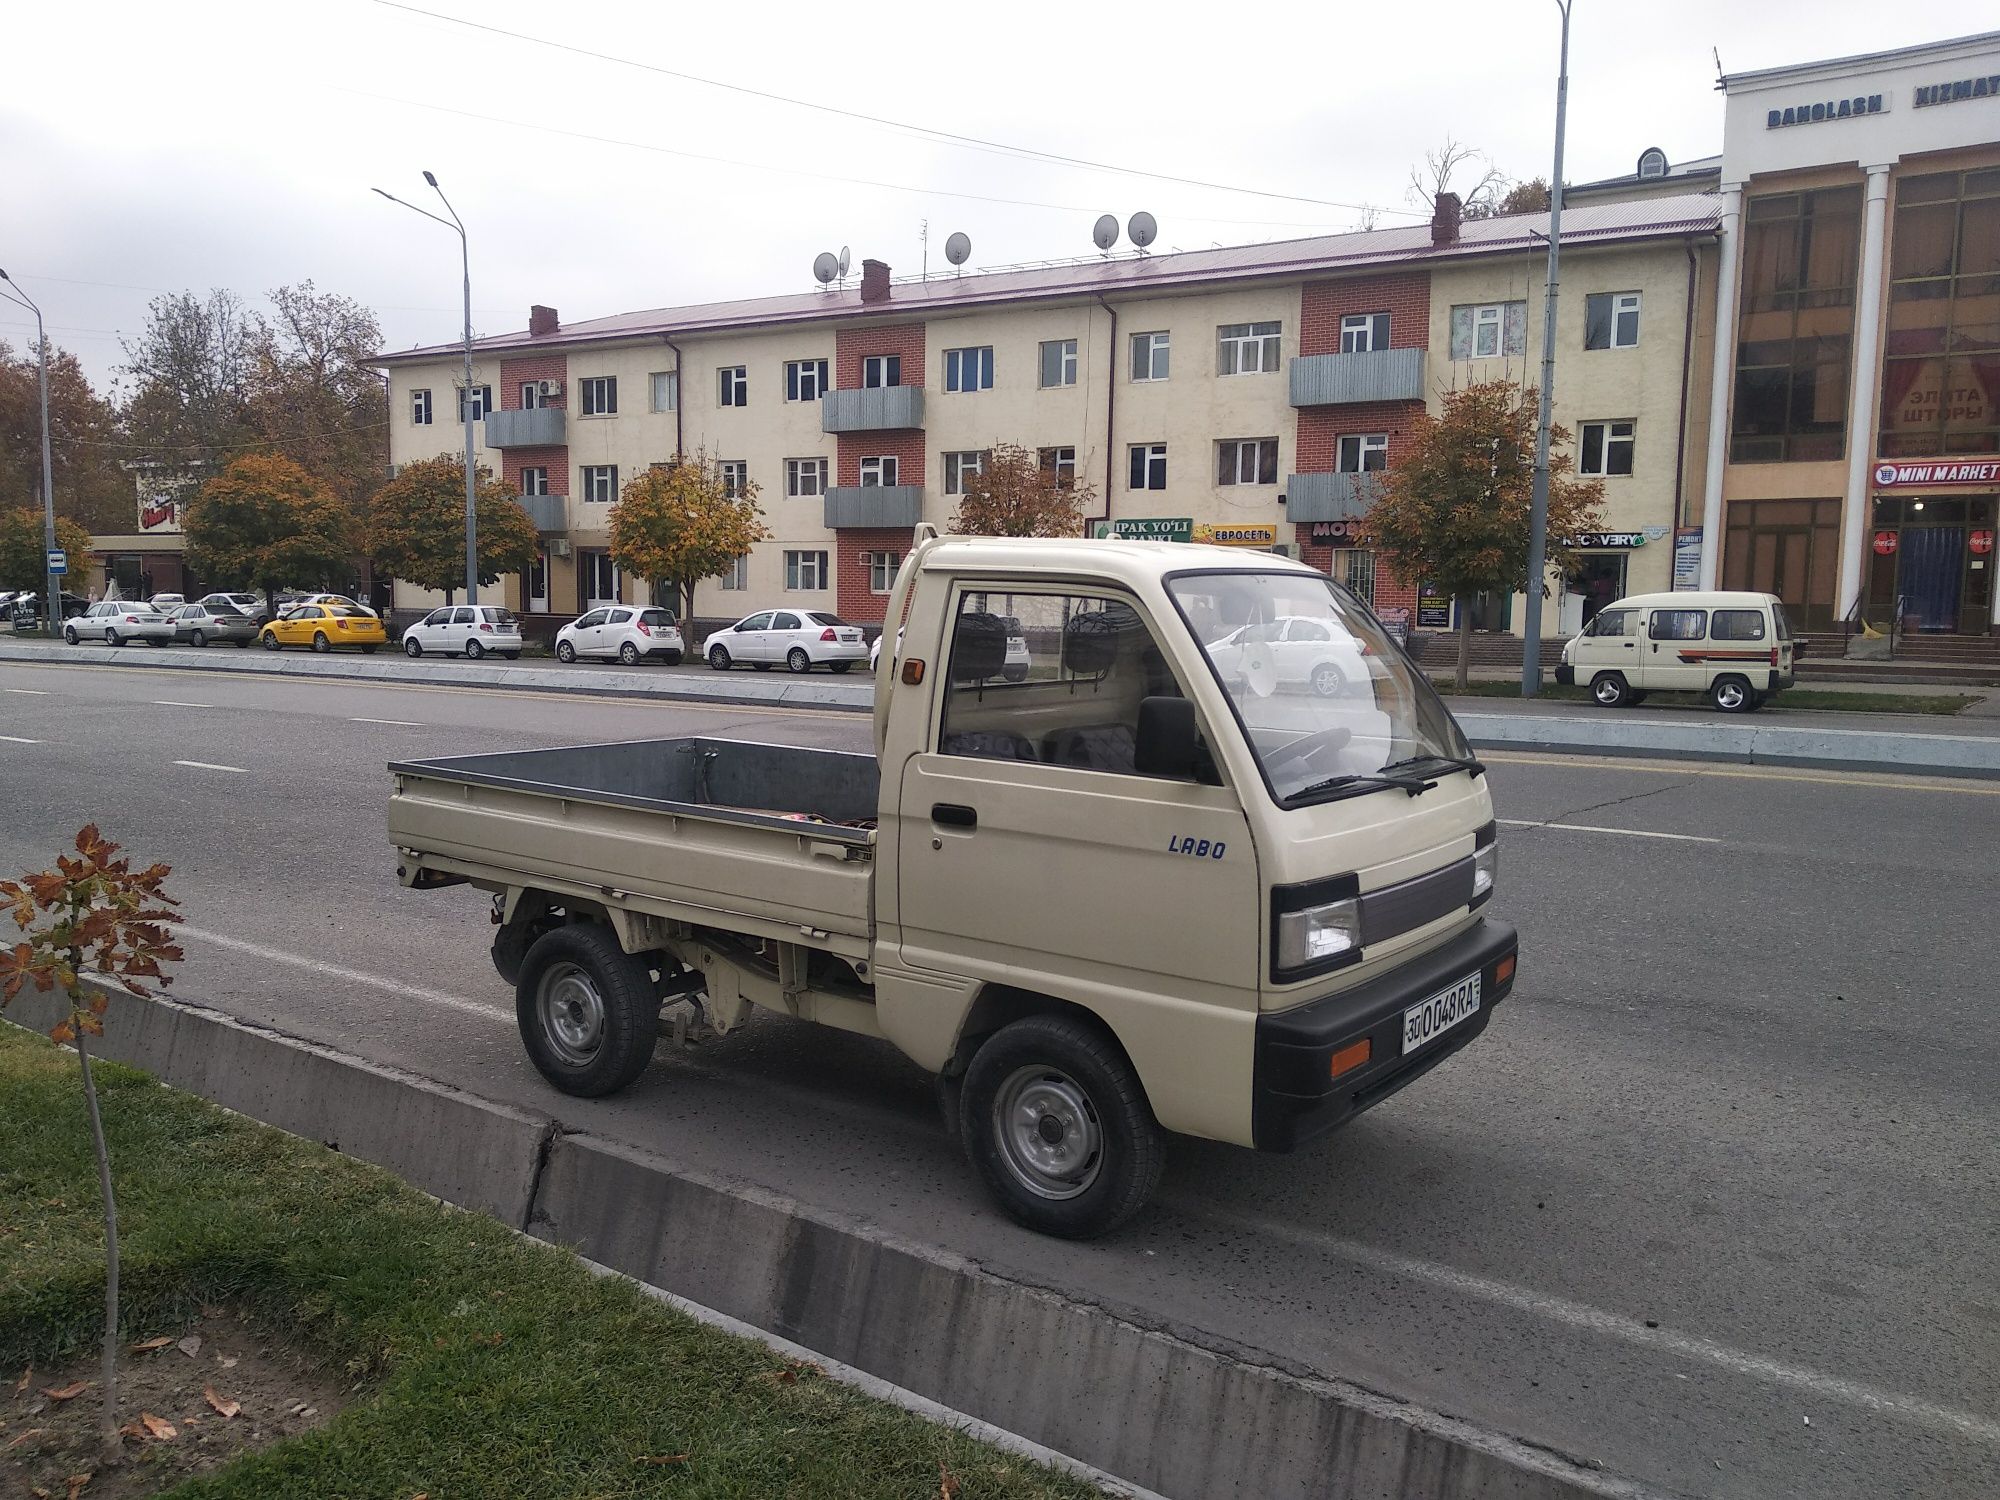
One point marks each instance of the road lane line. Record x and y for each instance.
(1634, 833)
(15, 739)
(178, 703)
(346, 976)
(32, 692)
(1884, 781)
(400, 723)
(1588, 1319)
(209, 765)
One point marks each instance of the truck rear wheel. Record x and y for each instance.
(1058, 1125)
(587, 1010)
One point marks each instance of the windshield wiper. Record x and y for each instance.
(1416, 786)
(1456, 762)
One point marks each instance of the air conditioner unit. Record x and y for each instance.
(1283, 549)
(551, 387)
(559, 547)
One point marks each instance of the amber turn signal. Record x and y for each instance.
(1352, 1056)
(913, 673)
(1504, 970)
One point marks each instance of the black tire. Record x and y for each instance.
(320, 643)
(838, 666)
(1075, 1073)
(1635, 697)
(270, 641)
(511, 655)
(473, 651)
(1327, 681)
(242, 643)
(198, 638)
(154, 640)
(1731, 693)
(797, 660)
(111, 638)
(565, 653)
(1610, 690)
(69, 634)
(412, 647)
(718, 658)
(370, 650)
(587, 1011)
(672, 658)
(762, 666)
(629, 654)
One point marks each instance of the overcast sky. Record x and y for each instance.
(151, 147)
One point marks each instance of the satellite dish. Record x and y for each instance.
(825, 267)
(1142, 229)
(958, 247)
(1105, 231)
(843, 260)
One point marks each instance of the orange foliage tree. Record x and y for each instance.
(265, 522)
(1014, 495)
(416, 525)
(680, 523)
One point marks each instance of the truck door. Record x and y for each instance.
(1031, 851)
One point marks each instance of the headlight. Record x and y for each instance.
(1319, 933)
(1485, 869)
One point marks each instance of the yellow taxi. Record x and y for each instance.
(324, 627)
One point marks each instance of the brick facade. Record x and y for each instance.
(854, 599)
(1404, 296)
(555, 460)
(852, 345)
(533, 367)
(907, 445)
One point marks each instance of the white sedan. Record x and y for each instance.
(468, 630)
(1293, 650)
(800, 638)
(116, 621)
(627, 631)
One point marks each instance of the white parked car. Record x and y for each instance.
(334, 599)
(166, 604)
(1018, 660)
(250, 604)
(116, 621)
(468, 630)
(1292, 651)
(630, 632)
(800, 638)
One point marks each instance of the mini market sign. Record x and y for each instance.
(1892, 476)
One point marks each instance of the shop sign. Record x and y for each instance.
(1950, 93)
(1433, 608)
(1893, 476)
(1885, 544)
(1237, 536)
(1149, 528)
(1607, 541)
(1830, 109)
(1687, 558)
(1980, 542)
(1335, 533)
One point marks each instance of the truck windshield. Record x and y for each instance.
(1325, 698)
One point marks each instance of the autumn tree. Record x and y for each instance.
(1530, 197)
(190, 367)
(1454, 510)
(417, 526)
(23, 562)
(680, 523)
(84, 443)
(1014, 494)
(310, 393)
(264, 522)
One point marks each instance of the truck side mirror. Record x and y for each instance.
(1167, 741)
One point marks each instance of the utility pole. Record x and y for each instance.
(54, 619)
(1538, 522)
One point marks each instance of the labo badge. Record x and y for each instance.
(1180, 843)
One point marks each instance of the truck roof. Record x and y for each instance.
(1116, 557)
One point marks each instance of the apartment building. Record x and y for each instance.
(1247, 395)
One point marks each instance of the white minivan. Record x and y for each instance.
(1737, 649)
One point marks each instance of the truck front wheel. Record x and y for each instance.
(1058, 1125)
(587, 1010)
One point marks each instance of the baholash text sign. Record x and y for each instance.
(1894, 476)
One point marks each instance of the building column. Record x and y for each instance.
(1861, 419)
(1722, 382)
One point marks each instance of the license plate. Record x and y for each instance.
(1425, 1023)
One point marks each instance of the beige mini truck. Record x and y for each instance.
(1145, 888)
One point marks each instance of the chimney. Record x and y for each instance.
(542, 321)
(874, 281)
(1445, 219)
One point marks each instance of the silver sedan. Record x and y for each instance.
(198, 624)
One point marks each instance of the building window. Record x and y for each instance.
(1362, 453)
(879, 471)
(1605, 448)
(733, 382)
(735, 577)
(1794, 334)
(482, 402)
(805, 571)
(600, 483)
(600, 582)
(1941, 359)
(534, 481)
(420, 408)
(1247, 348)
(1354, 567)
(1363, 333)
(805, 379)
(1489, 330)
(1149, 466)
(1058, 363)
(666, 389)
(1060, 465)
(735, 476)
(1149, 356)
(969, 369)
(600, 396)
(1611, 320)
(959, 467)
(879, 370)
(805, 478)
(532, 398)
(1246, 461)
(882, 570)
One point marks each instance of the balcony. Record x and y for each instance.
(550, 513)
(1337, 379)
(874, 504)
(1329, 497)
(536, 427)
(882, 408)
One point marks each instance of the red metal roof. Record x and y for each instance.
(1583, 224)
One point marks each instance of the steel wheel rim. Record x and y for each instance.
(1049, 1134)
(628, 653)
(1729, 695)
(1326, 680)
(1607, 692)
(571, 1013)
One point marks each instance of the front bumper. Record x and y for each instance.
(1293, 1095)
(1566, 675)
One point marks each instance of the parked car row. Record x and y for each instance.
(330, 622)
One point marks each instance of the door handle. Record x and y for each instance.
(954, 815)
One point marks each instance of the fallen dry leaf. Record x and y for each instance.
(27, 1376)
(227, 1361)
(159, 1427)
(660, 1460)
(223, 1406)
(947, 1482)
(76, 1483)
(31, 1432)
(68, 1392)
(190, 1346)
(147, 1346)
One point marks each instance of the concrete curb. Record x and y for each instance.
(1093, 1384)
(1745, 744)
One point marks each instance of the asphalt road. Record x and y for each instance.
(1713, 1204)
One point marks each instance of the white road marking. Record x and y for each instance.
(400, 723)
(347, 976)
(1596, 1320)
(32, 692)
(206, 765)
(15, 739)
(179, 703)
(1636, 833)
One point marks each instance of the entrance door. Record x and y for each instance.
(1931, 575)
(538, 584)
(1600, 579)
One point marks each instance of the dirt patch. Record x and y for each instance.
(262, 1390)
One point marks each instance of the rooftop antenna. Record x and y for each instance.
(1142, 229)
(958, 248)
(924, 234)
(1105, 233)
(826, 266)
(843, 267)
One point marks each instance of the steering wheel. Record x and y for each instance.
(1331, 738)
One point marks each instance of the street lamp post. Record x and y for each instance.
(48, 470)
(465, 401)
(1538, 521)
